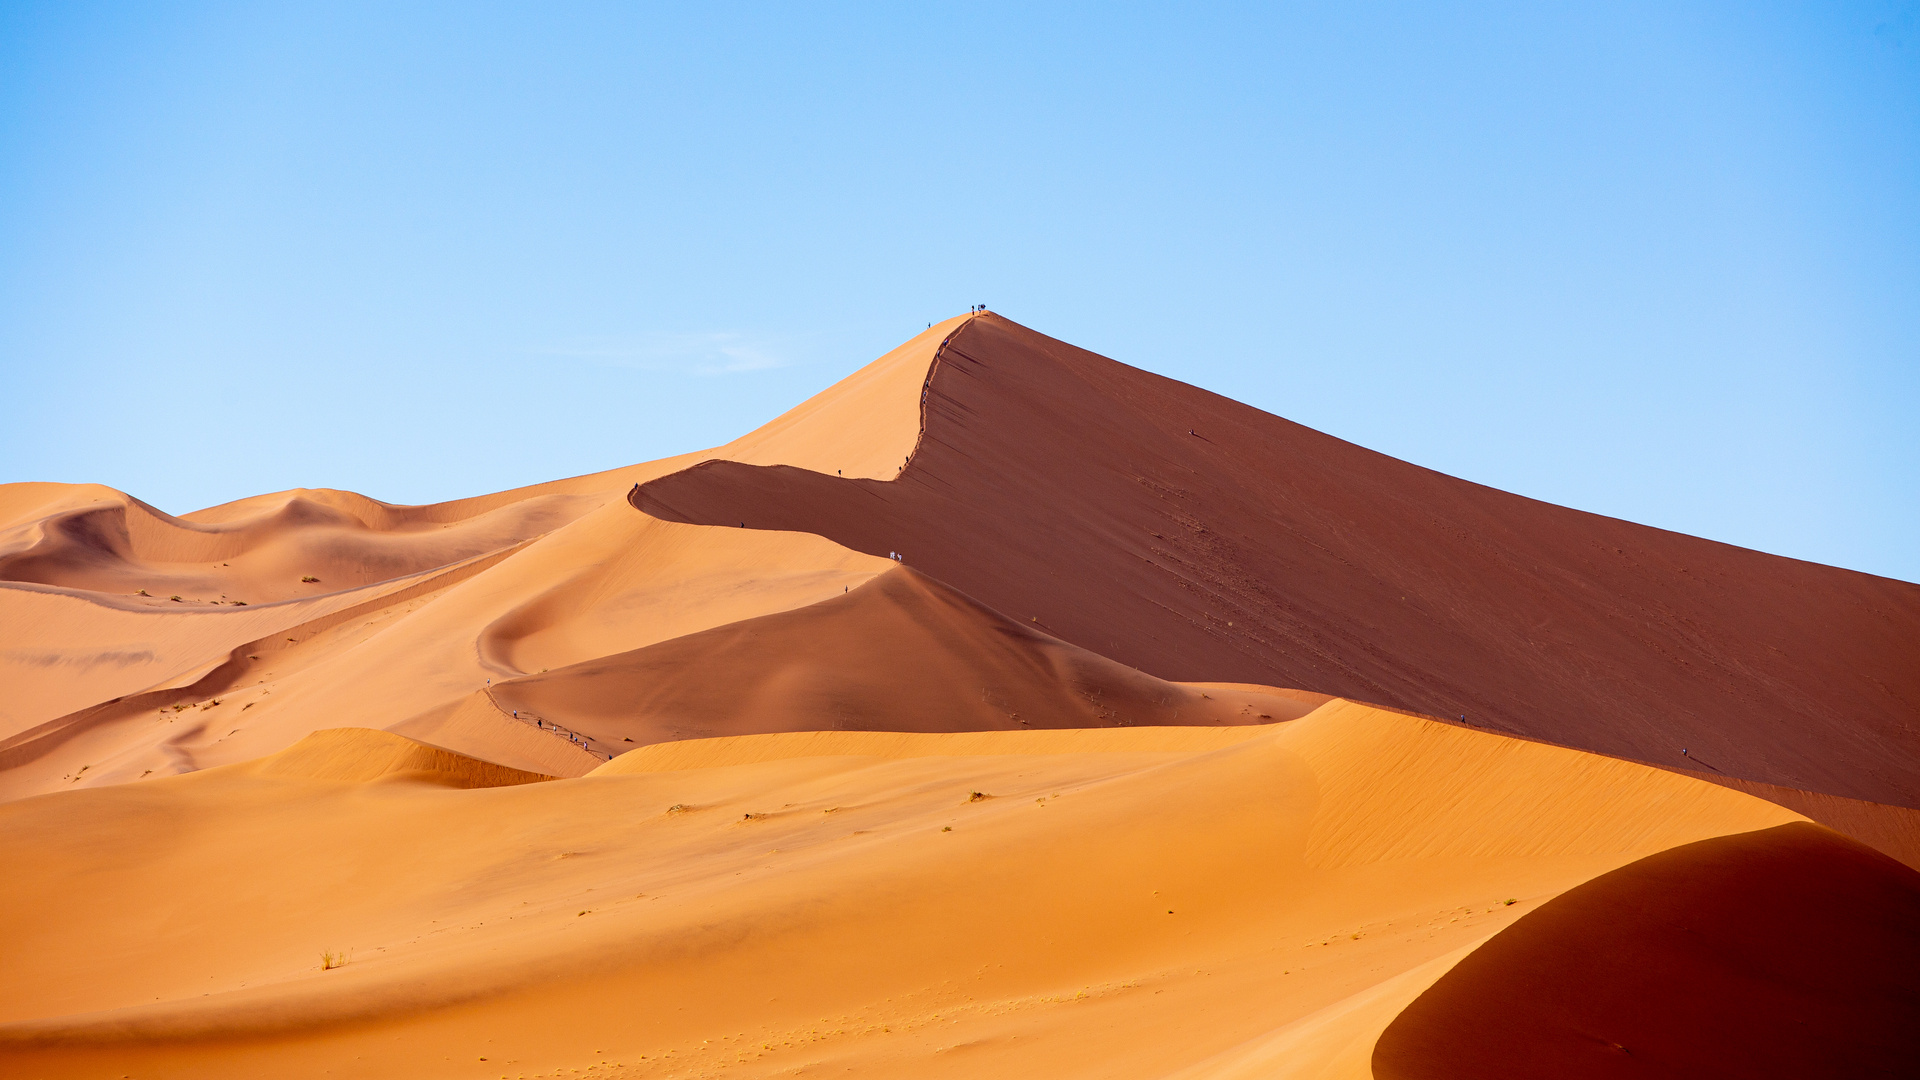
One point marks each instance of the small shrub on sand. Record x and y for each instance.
(330, 960)
(309, 579)
(978, 796)
(1510, 902)
(141, 592)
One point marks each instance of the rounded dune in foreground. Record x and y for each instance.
(1784, 952)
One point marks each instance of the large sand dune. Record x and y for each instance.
(1196, 538)
(672, 771)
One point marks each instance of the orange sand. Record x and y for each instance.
(586, 779)
(1197, 890)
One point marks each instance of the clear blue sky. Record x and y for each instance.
(1660, 261)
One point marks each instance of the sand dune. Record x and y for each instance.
(337, 539)
(135, 735)
(1114, 904)
(865, 426)
(1209, 540)
(1892, 830)
(62, 650)
(1785, 952)
(363, 755)
(613, 574)
(84, 653)
(76, 636)
(899, 653)
(534, 784)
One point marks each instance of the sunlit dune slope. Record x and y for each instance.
(360, 755)
(1193, 537)
(864, 426)
(63, 650)
(611, 581)
(1789, 952)
(1077, 904)
(136, 734)
(260, 549)
(901, 652)
(383, 636)
(782, 746)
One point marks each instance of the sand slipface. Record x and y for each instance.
(676, 770)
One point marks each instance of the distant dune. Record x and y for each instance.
(1001, 710)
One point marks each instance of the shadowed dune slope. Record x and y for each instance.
(1196, 538)
(899, 653)
(1791, 952)
(1116, 903)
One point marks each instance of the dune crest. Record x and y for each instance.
(865, 426)
(1213, 541)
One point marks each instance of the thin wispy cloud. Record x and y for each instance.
(722, 352)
